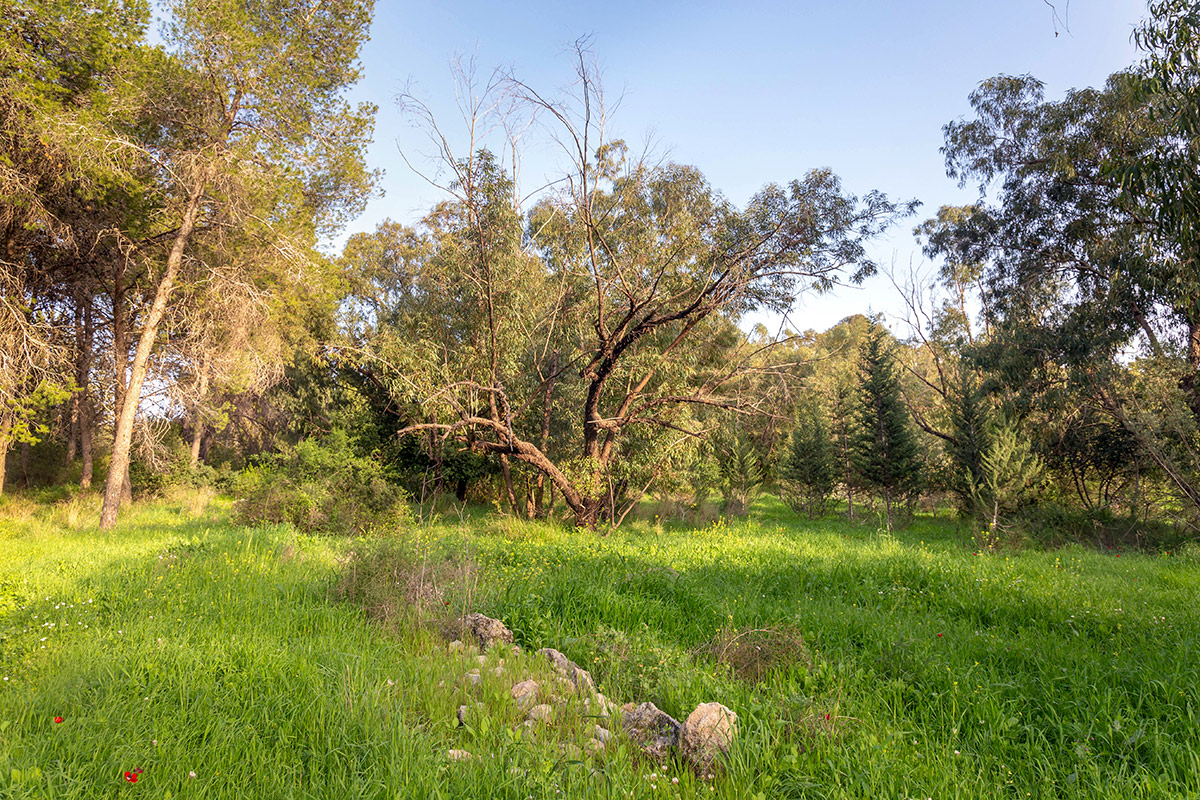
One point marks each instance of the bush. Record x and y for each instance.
(320, 486)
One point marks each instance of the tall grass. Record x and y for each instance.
(910, 666)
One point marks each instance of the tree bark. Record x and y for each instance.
(86, 431)
(120, 365)
(6, 422)
(123, 436)
(86, 414)
(197, 418)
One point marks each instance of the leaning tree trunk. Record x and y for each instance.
(123, 436)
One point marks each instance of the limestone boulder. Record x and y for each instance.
(655, 732)
(580, 678)
(487, 631)
(707, 734)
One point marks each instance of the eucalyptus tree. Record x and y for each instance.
(639, 261)
(1081, 271)
(248, 128)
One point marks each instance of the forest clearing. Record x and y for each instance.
(815, 415)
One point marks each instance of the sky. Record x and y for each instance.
(749, 92)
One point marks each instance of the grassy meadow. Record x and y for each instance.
(230, 662)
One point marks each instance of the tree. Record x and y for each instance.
(970, 438)
(886, 456)
(807, 473)
(249, 127)
(1088, 255)
(59, 64)
(639, 260)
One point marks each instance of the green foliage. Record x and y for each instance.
(971, 439)
(1010, 470)
(740, 471)
(807, 473)
(321, 486)
(886, 455)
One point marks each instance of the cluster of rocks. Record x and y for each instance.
(699, 740)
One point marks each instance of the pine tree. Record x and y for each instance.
(971, 427)
(807, 472)
(886, 455)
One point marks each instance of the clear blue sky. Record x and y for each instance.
(753, 92)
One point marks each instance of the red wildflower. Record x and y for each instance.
(826, 716)
(939, 636)
(57, 720)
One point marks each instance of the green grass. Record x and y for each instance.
(181, 643)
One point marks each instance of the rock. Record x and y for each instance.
(487, 631)
(707, 734)
(472, 677)
(459, 755)
(497, 671)
(600, 706)
(601, 734)
(593, 747)
(572, 752)
(654, 731)
(457, 646)
(541, 713)
(525, 693)
(482, 659)
(579, 677)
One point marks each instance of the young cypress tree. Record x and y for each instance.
(971, 427)
(807, 473)
(885, 452)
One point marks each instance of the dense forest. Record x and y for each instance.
(172, 312)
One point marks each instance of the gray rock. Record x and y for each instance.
(541, 713)
(593, 747)
(602, 734)
(707, 734)
(472, 677)
(579, 677)
(487, 631)
(525, 693)
(654, 731)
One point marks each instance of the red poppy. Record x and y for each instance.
(57, 720)
(826, 716)
(131, 777)
(939, 636)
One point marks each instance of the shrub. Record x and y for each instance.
(320, 486)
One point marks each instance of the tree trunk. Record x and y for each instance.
(83, 377)
(86, 431)
(539, 509)
(506, 472)
(123, 435)
(6, 422)
(120, 367)
(197, 418)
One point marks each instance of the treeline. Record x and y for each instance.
(581, 350)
